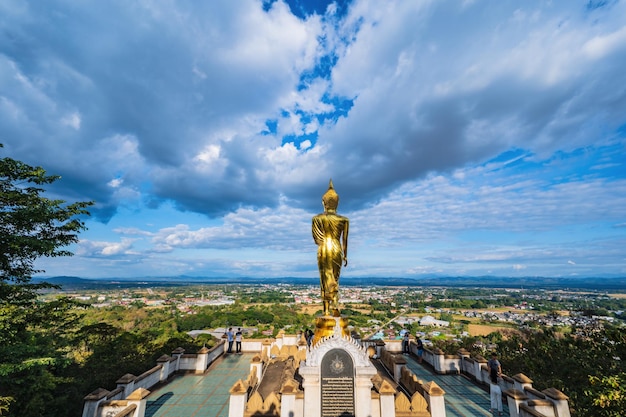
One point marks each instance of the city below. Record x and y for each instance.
(445, 312)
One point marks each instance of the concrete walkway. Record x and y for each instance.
(463, 398)
(205, 395)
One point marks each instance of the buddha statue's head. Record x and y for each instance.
(330, 199)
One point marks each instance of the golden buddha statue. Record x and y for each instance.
(330, 233)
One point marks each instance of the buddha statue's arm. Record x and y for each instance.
(316, 230)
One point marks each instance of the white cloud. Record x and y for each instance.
(605, 44)
(72, 120)
(88, 248)
(115, 182)
(132, 231)
(282, 228)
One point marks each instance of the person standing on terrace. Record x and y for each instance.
(230, 338)
(238, 337)
(420, 348)
(495, 392)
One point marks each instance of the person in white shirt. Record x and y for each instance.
(495, 392)
(405, 343)
(238, 340)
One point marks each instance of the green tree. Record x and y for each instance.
(588, 369)
(33, 335)
(32, 226)
(607, 394)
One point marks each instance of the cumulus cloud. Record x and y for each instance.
(441, 117)
(193, 89)
(105, 249)
(492, 216)
(282, 228)
(434, 99)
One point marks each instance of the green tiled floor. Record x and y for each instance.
(200, 395)
(463, 398)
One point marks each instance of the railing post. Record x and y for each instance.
(464, 356)
(164, 361)
(92, 401)
(202, 360)
(177, 353)
(128, 382)
(238, 398)
(514, 399)
(434, 397)
(257, 366)
(387, 400)
(559, 400)
(288, 403)
(139, 398)
(438, 360)
(398, 363)
(521, 382)
(478, 369)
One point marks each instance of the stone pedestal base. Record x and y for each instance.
(337, 374)
(325, 327)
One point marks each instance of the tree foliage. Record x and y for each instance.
(608, 394)
(31, 225)
(33, 335)
(585, 365)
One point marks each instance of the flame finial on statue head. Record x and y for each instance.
(330, 198)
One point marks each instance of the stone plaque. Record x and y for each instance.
(337, 384)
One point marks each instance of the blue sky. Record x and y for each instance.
(463, 137)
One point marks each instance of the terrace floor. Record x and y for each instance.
(463, 397)
(206, 395)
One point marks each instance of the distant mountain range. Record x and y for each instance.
(600, 283)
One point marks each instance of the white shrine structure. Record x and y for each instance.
(338, 376)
